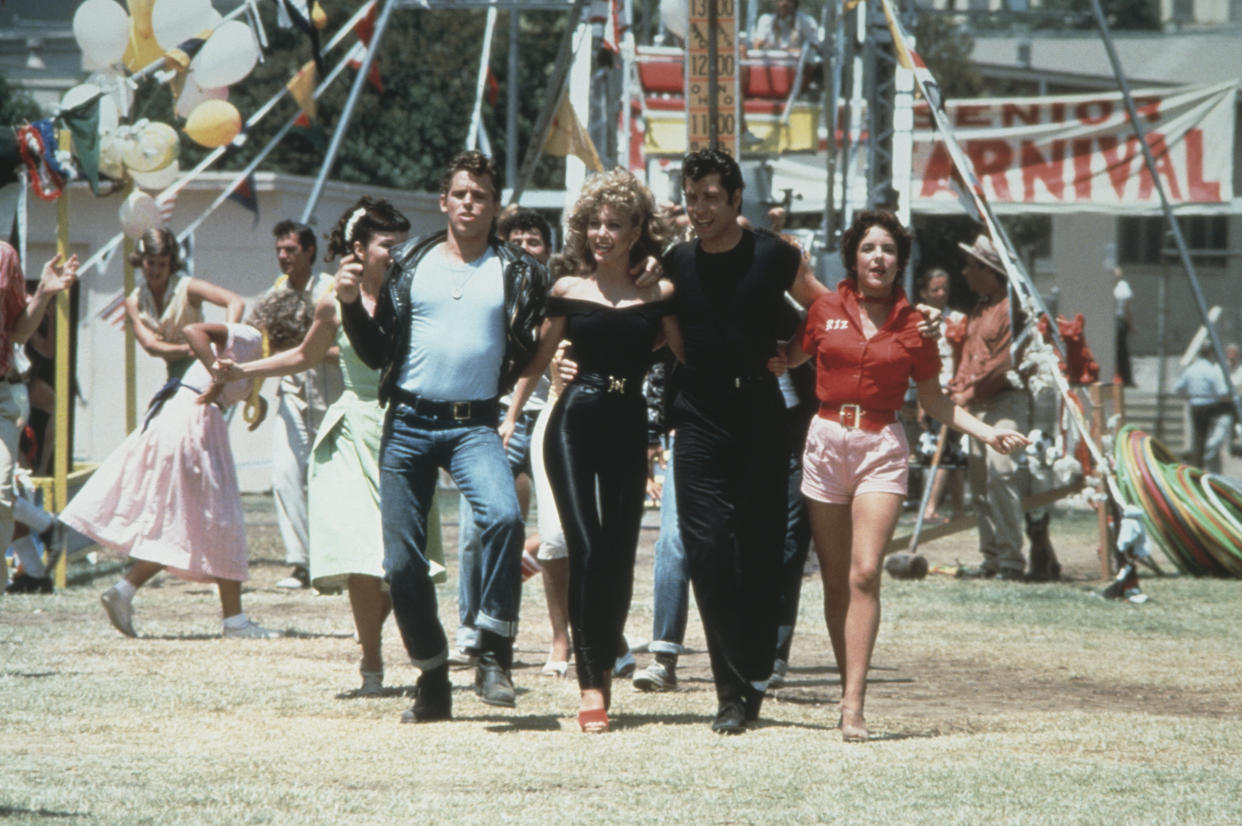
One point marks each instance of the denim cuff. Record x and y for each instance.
(431, 662)
(663, 647)
(499, 627)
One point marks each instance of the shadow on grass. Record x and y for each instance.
(18, 811)
(387, 692)
(30, 675)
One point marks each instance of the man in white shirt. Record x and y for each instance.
(455, 322)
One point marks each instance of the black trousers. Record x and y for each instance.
(595, 453)
(732, 457)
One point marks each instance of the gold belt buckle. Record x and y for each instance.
(616, 385)
(458, 408)
(850, 416)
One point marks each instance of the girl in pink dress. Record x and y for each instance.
(168, 496)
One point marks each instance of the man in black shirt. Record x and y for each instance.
(732, 449)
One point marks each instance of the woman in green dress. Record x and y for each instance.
(346, 542)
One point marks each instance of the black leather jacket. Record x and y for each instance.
(382, 341)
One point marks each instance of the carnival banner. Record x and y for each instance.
(1079, 152)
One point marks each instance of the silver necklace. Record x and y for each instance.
(459, 284)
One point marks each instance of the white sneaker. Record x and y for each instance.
(458, 658)
(372, 683)
(779, 671)
(120, 611)
(251, 631)
(624, 666)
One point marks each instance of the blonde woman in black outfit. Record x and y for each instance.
(597, 431)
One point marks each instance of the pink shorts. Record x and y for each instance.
(840, 463)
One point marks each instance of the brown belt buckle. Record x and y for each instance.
(850, 416)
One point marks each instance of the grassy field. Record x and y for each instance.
(992, 703)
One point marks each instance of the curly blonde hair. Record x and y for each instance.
(623, 192)
(285, 315)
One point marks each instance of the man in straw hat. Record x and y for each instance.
(983, 385)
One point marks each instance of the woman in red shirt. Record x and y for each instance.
(866, 341)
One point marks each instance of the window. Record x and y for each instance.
(1143, 239)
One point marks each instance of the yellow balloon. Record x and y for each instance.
(152, 148)
(213, 123)
(140, 11)
(319, 17)
(142, 50)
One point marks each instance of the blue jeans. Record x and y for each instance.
(672, 576)
(414, 447)
(793, 560)
(469, 581)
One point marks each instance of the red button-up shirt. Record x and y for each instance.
(12, 301)
(871, 372)
(983, 369)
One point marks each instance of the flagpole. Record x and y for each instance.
(1183, 252)
(264, 152)
(61, 449)
(347, 114)
(485, 56)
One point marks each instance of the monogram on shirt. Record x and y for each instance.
(836, 324)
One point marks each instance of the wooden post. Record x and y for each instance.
(61, 449)
(131, 348)
(713, 94)
(1101, 508)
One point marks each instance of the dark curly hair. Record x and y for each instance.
(698, 165)
(478, 165)
(157, 242)
(284, 315)
(866, 219)
(623, 192)
(524, 220)
(377, 216)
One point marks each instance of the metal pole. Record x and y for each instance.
(1183, 251)
(511, 103)
(347, 114)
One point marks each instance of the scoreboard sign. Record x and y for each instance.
(713, 102)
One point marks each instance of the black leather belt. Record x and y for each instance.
(724, 383)
(610, 384)
(464, 412)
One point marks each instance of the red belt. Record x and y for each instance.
(856, 417)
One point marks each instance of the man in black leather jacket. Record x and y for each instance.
(454, 324)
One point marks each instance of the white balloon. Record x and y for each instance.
(101, 28)
(193, 94)
(159, 180)
(175, 21)
(675, 15)
(138, 213)
(227, 56)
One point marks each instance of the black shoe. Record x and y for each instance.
(433, 698)
(24, 583)
(731, 718)
(975, 573)
(1011, 576)
(493, 683)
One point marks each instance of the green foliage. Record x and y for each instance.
(946, 47)
(15, 105)
(403, 137)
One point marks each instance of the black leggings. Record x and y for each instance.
(596, 437)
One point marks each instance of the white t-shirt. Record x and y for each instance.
(1121, 297)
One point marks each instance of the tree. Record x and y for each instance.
(405, 135)
(15, 105)
(946, 47)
